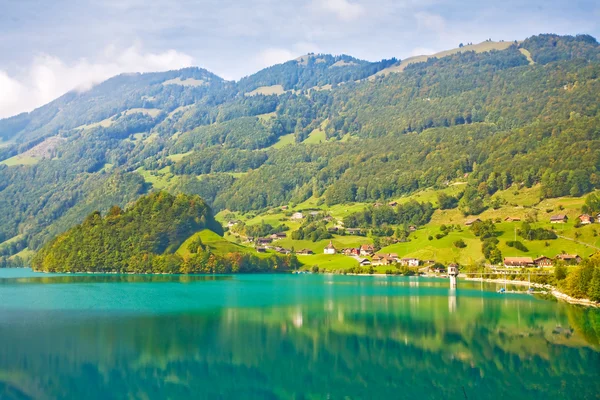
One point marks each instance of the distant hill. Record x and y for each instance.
(492, 116)
(478, 48)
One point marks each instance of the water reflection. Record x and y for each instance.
(319, 338)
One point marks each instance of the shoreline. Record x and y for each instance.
(551, 290)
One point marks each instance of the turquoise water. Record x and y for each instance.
(288, 337)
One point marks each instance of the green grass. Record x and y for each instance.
(267, 90)
(519, 204)
(20, 160)
(317, 136)
(107, 167)
(153, 112)
(158, 179)
(284, 140)
(214, 242)
(267, 116)
(527, 54)
(478, 48)
(11, 240)
(178, 157)
(328, 262)
(25, 254)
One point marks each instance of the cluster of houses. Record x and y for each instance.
(266, 243)
(368, 250)
(540, 262)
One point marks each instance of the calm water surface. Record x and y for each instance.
(288, 337)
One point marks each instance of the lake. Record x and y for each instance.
(288, 337)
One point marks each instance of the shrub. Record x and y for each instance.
(460, 244)
(517, 245)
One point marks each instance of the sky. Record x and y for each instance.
(48, 47)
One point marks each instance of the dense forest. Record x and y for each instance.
(336, 131)
(144, 239)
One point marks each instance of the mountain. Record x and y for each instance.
(332, 127)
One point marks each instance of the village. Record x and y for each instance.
(367, 254)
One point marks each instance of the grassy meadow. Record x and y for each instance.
(423, 243)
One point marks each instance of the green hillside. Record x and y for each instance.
(423, 243)
(484, 122)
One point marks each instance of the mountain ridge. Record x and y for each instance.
(490, 119)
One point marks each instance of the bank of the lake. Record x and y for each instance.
(551, 290)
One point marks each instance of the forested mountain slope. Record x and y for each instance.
(494, 119)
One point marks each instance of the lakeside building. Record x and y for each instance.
(330, 249)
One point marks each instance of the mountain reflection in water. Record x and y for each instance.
(296, 338)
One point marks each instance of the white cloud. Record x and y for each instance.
(272, 56)
(49, 77)
(278, 55)
(343, 9)
(430, 22)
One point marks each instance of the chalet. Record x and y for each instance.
(569, 258)
(250, 239)
(231, 224)
(512, 219)
(543, 261)
(586, 219)
(364, 262)
(558, 219)
(305, 252)
(377, 259)
(281, 250)
(334, 229)
(354, 231)
(411, 262)
(355, 252)
(394, 257)
(281, 235)
(367, 250)
(440, 269)
(470, 222)
(347, 252)
(393, 203)
(412, 228)
(263, 241)
(377, 205)
(382, 259)
(297, 216)
(284, 208)
(512, 262)
(261, 249)
(329, 249)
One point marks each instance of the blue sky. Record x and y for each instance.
(51, 46)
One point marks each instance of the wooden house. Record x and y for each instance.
(570, 259)
(518, 262)
(305, 252)
(367, 250)
(411, 262)
(559, 219)
(543, 261)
